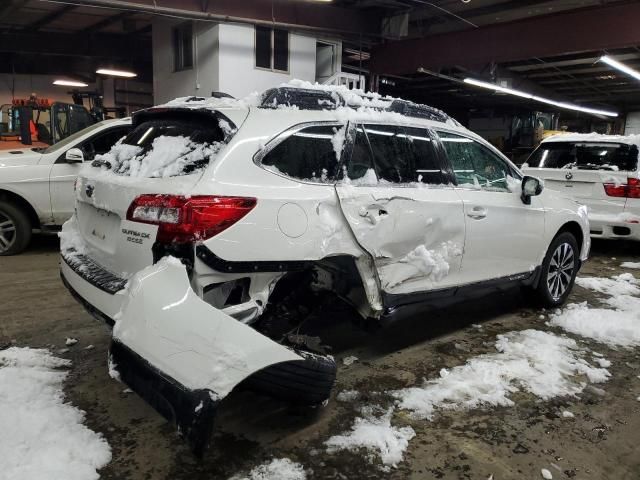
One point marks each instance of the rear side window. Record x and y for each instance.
(391, 152)
(474, 165)
(586, 156)
(166, 148)
(308, 154)
(424, 160)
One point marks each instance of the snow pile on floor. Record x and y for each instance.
(277, 469)
(617, 327)
(41, 436)
(375, 434)
(538, 362)
(630, 264)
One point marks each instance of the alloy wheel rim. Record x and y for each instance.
(560, 271)
(7, 232)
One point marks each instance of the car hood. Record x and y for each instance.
(19, 157)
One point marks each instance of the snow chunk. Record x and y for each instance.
(376, 435)
(546, 474)
(350, 360)
(567, 414)
(42, 436)
(277, 469)
(113, 372)
(348, 396)
(70, 341)
(531, 360)
(630, 264)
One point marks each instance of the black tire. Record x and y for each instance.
(302, 382)
(555, 283)
(16, 233)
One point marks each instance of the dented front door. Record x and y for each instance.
(401, 209)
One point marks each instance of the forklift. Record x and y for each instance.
(39, 122)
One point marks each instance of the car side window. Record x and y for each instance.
(474, 165)
(358, 168)
(391, 152)
(307, 154)
(102, 143)
(425, 163)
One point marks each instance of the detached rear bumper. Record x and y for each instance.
(176, 351)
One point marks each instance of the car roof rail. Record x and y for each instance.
(318, 99)
(416, 110)
(303, 98)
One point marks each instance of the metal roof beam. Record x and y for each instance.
(604, 27)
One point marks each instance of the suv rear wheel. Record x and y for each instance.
(15, 229)
(559, 271)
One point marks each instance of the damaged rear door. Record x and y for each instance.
(397, 197)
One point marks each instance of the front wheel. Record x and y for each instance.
(559, 271)
(15, 229)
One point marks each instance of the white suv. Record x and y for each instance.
(36, 184)
(600, 171)
(215, 229)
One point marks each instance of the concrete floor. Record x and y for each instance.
(601, 442)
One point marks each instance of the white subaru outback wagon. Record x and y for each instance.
(217, 227)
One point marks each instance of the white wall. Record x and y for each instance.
(632, 125)
(200, 80)
(41, 85)
(238, 75)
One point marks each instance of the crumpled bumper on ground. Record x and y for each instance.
(177, 351)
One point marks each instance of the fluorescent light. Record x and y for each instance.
(620, 66)
(70, 83)
(497, 88)
(530, 96)
(116, 73)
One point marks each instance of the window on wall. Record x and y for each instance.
(183, 47)
(272, 49)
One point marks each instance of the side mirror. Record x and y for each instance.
(531, 187)
(74, 155)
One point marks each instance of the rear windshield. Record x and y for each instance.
(586, 156)
(166, 148)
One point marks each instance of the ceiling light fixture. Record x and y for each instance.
(70, 83)
(530, 96)
(620, 66)
(116, 73)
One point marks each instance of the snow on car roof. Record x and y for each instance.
(338, 97)
(594, 138)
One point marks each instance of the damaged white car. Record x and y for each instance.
(217, 227)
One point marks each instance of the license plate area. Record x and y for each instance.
(99, 227)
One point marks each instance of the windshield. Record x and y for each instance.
(166, 148)
(71, 139)
(586, 156)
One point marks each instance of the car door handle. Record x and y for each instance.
(477, 213)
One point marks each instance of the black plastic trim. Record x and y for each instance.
(398, 306)
(94, 273)
(192, 411)
(212, 260)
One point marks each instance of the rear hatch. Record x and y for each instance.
(163, 157)
(594, 173)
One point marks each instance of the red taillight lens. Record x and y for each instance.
(187, 219)
(631, 189)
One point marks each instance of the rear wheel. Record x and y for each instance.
(559, 271)
(15, 229)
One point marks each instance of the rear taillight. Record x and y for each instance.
(631, 189)
(186, 219)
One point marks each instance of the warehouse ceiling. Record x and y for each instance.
(76, 37)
